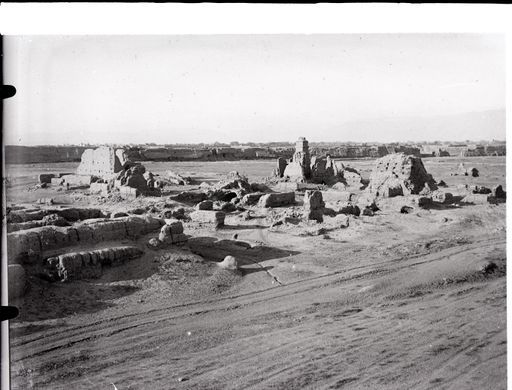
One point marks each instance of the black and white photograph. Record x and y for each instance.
(255, 210)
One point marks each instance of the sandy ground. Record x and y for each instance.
(394, 301)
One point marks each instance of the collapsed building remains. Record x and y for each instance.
(303, 168)
(103, 161)
(399, 174)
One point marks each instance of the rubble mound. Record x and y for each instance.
(234, 181)
(399, 174)
(178, 179)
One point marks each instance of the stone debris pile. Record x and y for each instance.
(106, 169)
(175, 178)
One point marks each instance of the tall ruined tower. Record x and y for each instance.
(299, 169)
(303, 157)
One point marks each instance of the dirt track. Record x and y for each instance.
(356, 328)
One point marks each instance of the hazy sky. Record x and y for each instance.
(174, 89)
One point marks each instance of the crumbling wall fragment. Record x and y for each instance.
(88, 264)
(313, 206)
(27, 246)
(102, 161)
(299, 169)
(399, 174)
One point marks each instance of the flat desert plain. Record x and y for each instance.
(392, 301)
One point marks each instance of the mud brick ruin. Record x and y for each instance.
(399, 174)
(103, 161)
(106, 169)
(314, 206)
(304, 168)
(299, 168)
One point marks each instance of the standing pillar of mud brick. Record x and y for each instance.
(303, 157)
(313, 206)
(299, 168)
(102, 161)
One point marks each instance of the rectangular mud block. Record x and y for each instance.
(175, 225)
(70, 266)
(46, 178)
(128, 192)
(206, 216)
(442, 197)
(286, 187)
(57, 181)
(78, 180)
(277, 199)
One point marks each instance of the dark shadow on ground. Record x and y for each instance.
(243, 227)
(247, 271)
(456, 203)
(215, 250)
(45, 300)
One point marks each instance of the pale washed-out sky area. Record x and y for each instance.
(259, 88)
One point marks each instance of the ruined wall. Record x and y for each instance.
(27, 246)
(299, 169)
(15, 154)
(102, 161)
(399, 174)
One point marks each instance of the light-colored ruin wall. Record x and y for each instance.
(399, 171)
(299, 168)
(102, 161)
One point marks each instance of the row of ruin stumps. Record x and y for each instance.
(393, 175)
